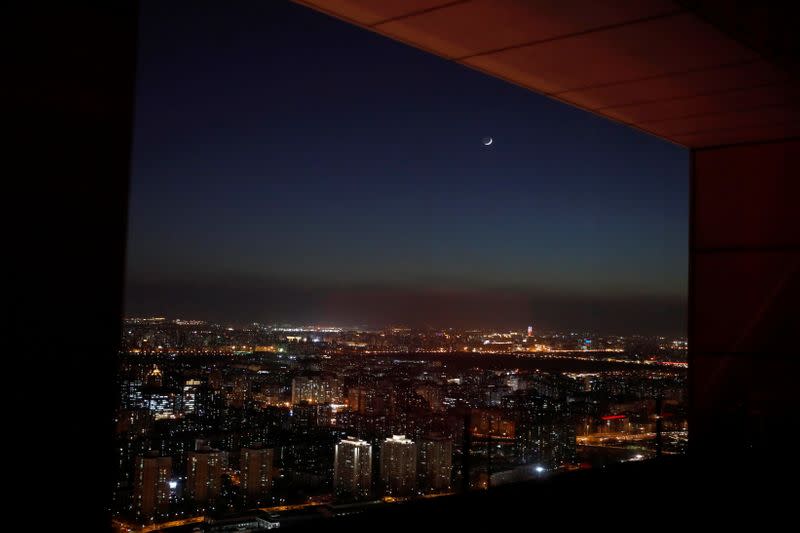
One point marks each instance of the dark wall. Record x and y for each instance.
(744, 323)
(72, 112)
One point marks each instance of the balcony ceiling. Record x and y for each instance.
(697, 73)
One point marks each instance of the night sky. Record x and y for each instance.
(289, 167)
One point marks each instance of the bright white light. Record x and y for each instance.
(539, 469)
(173, 485)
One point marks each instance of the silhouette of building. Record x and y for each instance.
(256, 472)
(204, 474)
(436, 463)
(151, 485)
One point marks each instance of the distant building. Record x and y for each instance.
(358, 398)
(204, 474)
(432, 395)
(491, 423)
(161, 402)
(496, 392)
(256, 472)
(399, 466)
(352, 476)
(307, 416)
(131, 394)
(155, 378)
(436, 463)
(189, 396)
(316, 389)
(377, 400)
(151, 485)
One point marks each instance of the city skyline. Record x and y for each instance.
(358, 274)
(521, 328)
(265, 426)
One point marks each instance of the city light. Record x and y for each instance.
(367, 419)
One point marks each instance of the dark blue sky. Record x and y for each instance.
(290, 167)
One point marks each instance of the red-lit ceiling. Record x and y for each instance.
(651, 64)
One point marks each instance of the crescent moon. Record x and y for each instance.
(487, 143)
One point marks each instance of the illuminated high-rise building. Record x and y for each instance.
(131, 393)
(151, 485)
(436, 463)
(189, 397)
(154, 377)
(399, 466)
(352, 475)
(544, 429)
(530, 331)
(161, 402)
(256, 472)
(204, 474)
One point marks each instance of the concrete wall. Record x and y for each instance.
(744, 325)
